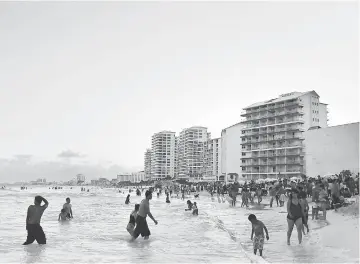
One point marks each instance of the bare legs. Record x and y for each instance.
(299, 227)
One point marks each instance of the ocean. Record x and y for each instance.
(97, 233)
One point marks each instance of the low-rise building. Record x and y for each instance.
(138, 176)
(94, 182)
(124, 177)
(231, 153)
(332, 149)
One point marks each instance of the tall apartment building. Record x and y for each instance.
(272, 136)
(163, 147)
(192, 146)
(147, 164)
(213, 160)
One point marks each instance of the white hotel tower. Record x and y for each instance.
(272, 136)
(163, 146)
(192, 145)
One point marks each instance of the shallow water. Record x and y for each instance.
(98, 231)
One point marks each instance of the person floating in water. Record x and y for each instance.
(127, 201)
(63, 216)
(167, 198)
(141, 224)
(195, 209)
(131, 225)
(67, 206)
(258, 228)
(33, 218)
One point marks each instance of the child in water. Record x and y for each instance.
(63, 216)
(195, 209)
(131, 225)
(258, 228)
(190, 205)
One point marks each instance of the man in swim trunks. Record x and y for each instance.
(258, 228)
(33, 218)
(141, 224)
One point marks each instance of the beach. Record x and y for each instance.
(219, 234)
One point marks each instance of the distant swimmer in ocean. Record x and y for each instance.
(195, 209)
(131, 225)
(33, 218)
(63, 216)
(167, 198)
(258, 228)
(141, 224)
(68, 208)
(127, 201)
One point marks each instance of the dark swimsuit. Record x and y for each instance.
(296, 212)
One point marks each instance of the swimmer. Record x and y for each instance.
(131, 225)
(258, 228)
(33, 218)
(195, 209)
(63, 216)
(127, 201)
(67, 206)
(190, 205)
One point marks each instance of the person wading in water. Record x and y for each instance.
(141, 224)
(295, 215)
(33, 219)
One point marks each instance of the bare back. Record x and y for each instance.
(35, 213)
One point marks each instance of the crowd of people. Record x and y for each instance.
(323, 193)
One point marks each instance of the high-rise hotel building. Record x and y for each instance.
(147, 164)
(192, 145)
(213, 160)
(163, 149)
(272, 134)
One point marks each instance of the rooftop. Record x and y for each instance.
(281, 98)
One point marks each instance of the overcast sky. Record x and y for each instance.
(83, 86)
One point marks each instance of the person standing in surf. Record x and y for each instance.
(295, 215)
(33, 218)
(131, 225)
(141, 224)
(258, 228)
(67, 206)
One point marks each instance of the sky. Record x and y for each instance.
(84, 86)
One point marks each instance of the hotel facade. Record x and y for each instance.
(273, 133)
(163, 150)
(192, 145)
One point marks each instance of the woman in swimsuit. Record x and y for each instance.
(295, 215)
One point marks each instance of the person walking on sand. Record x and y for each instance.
(33, 218)
(141, 224)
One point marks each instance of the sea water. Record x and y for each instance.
(97, 233)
